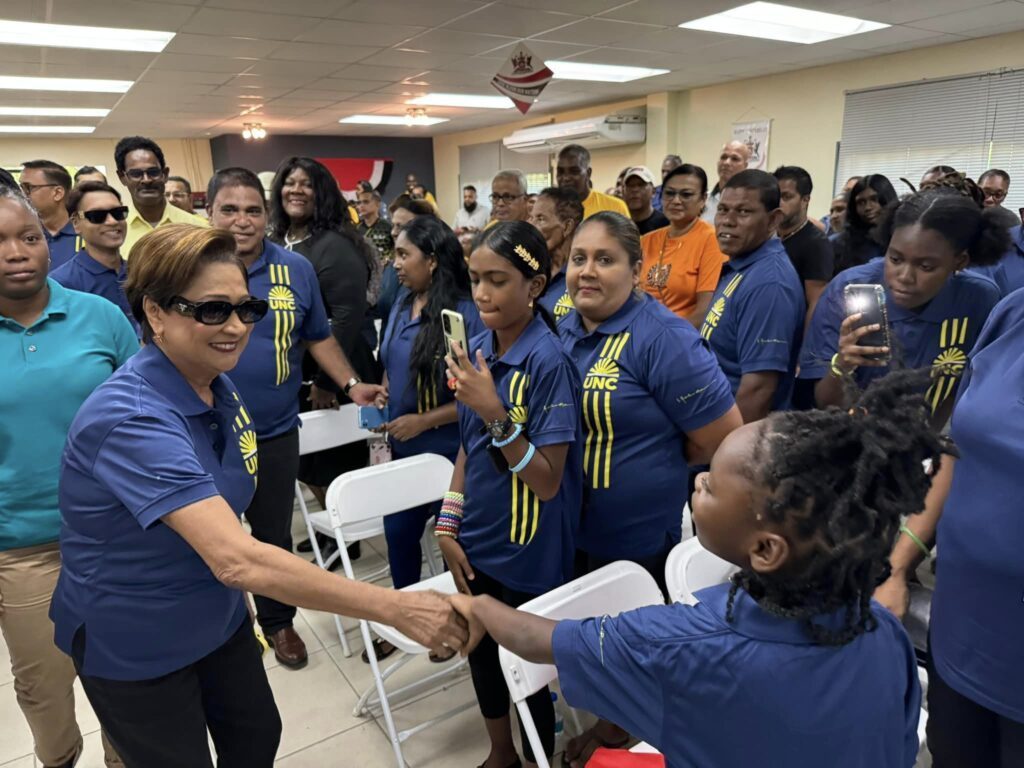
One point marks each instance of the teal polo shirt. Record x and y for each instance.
(49, 369)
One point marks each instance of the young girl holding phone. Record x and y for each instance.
(507, 525)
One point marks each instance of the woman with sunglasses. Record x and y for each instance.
(52, 340)
(309, 216)
(160, 463)
(682, 262)
(99, 220)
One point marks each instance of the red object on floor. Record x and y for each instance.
(623, 758)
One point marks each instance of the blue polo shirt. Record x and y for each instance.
(64, 245)
(756, 318)
(977, 618)
(940, 335)
(556, 299)
(407, 392)
(507, 532)
(83, 273)
(269, 372)
(648, 379)
(142, 446)
(754, 691)
(49, 369)
(1008, 273)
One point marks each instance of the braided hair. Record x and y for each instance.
(840, 481)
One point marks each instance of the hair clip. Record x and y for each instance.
(527, 257)
(860, 410)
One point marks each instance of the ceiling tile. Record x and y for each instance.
(222, 45)
(116, 13)
(903, 11)
(337, 54)
(546, 50)
(334, 84)
(183, 63)
(323, 9)
(269, 26)
(357, 33)
(668, 13)
(682, 41)
(1008, 15)
(234, 89)
(453, 41)
(417, 61)
(433, 13)
(882, 38)
(319, 94)
(190, 78)
(601, 32)
(580, 7)
(382, 73)
(630, 58)
(511, 21)
(297, 72)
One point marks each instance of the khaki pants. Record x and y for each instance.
(43, 675)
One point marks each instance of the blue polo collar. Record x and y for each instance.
(68, 230)
(522, 346)
(154, 366)
(770, 247)
(94, 266)
(750, 620)
(619, 321)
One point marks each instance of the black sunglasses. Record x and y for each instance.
(137, 174)
(219, 312)
(98, 216)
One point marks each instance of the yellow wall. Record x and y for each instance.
(806, 107)
(185, 157)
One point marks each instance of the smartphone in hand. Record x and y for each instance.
(868, 300)
(371, 417)
(454, 326)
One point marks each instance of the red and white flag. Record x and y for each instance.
(522, 78)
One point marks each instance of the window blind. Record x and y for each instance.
(971, 123)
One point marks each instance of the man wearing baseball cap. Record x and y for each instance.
(638, 192)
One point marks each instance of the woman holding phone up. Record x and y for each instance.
(421, 407)
(507, 526)
(935, 308)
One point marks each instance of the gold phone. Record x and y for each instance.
(454, 326)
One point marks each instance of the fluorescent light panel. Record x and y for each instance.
(391, 120)
(601, 73)
(462, 100)
(80, 85)
(772, 21)
(52, 112)
(47, 128)
(73, 36)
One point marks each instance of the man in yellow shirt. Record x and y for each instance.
(142, 169)
(573, 172)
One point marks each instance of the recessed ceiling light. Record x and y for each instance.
(390, 120)
(72, 36)
(601, 73)
(47, 128)
(52, 112)
(79, 85)
(772, 21)
(462, 100)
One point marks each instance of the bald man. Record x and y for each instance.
(734, 158)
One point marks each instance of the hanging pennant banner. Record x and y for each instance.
(522, 78)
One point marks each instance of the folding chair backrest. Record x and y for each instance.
(608, 591)
(690, 568)
(329, 429)
(384, 489)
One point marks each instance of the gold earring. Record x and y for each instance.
(158, 337)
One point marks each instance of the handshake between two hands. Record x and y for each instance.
(445, 624)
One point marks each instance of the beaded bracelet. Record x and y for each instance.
(517, 430)
(449, 519)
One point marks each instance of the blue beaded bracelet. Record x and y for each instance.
(530, 450)
(517, 430)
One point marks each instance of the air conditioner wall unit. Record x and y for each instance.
(594, 133)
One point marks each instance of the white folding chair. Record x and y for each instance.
(366, 496)
(608, 591)
(690, 568)
(320, 431)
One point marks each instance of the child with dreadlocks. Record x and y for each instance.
(791, 664)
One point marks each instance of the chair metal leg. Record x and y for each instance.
(526, 720)
(396, 743)
(318, 556)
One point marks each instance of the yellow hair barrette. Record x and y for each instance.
(526, 256)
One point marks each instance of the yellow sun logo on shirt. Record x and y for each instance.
(563, 306)
(281, 299)
(518, 414)
(247, 445)
(950, 362)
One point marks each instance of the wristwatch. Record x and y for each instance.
(349, 384)
(500, 428)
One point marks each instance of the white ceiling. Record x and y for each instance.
(303, 64)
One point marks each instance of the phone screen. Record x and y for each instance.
(869, 302)
(454, 326)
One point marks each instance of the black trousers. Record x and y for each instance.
(964, 734)
(163, 722)
(270, 515)
(489, 683)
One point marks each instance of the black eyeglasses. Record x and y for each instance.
(28, 189)
(138, 174)
(219, 312)
(99, 215)
(506, 198)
